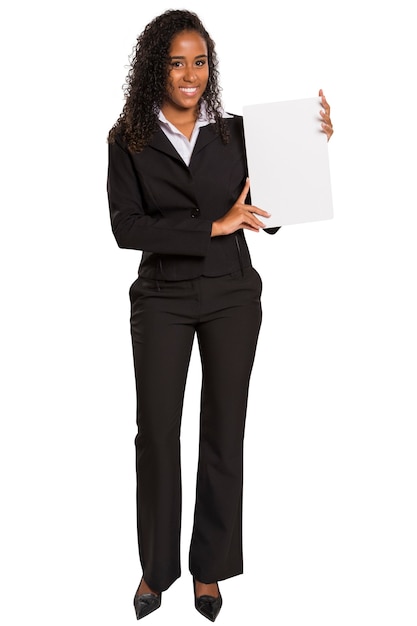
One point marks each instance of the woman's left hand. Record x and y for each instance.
(327, 125)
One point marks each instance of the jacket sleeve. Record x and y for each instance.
(272, 231)
(135, 228)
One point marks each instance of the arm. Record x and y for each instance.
(137, 229)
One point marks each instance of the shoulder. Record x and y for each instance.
(237, 132)
(233, 119)
(116, 139)
(234, 124)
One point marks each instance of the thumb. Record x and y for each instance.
(245, 191)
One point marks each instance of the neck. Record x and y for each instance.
(179, 116)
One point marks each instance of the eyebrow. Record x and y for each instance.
(199, 56)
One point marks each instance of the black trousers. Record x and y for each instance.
(225, 314)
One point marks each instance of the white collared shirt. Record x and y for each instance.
(181, 143)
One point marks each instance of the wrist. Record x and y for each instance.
(215, 229)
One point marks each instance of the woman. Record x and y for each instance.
(177, 186)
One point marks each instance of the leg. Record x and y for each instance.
(227, 340)
(162, 341)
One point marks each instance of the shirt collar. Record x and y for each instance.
(203, 119)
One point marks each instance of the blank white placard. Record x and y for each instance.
(288, 161)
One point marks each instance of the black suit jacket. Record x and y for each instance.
(165, 208)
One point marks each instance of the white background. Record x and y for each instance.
(330, 473)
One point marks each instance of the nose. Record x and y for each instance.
(189, 74)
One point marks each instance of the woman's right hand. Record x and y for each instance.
(241, 215)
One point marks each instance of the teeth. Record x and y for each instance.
(189, 89)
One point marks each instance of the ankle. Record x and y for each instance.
(206, 589)
(144, 588)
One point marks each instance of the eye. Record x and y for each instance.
(176, 64)
(200, 62)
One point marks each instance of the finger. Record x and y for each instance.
(324, 101)
(245, 191)
(326, 107)
(326, 119)
(257, 211)
(252, 220)
(328, 130)
(248, 227)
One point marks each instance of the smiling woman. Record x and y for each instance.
(148, 75)
(177, 187)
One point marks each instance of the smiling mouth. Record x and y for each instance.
(189, 90)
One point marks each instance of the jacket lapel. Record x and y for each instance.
(161, 143)
(206, 135)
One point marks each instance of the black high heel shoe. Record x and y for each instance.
(146, 603)
(209, 606)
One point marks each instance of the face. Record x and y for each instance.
(189, 71)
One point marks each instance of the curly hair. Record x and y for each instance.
(145, 88)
